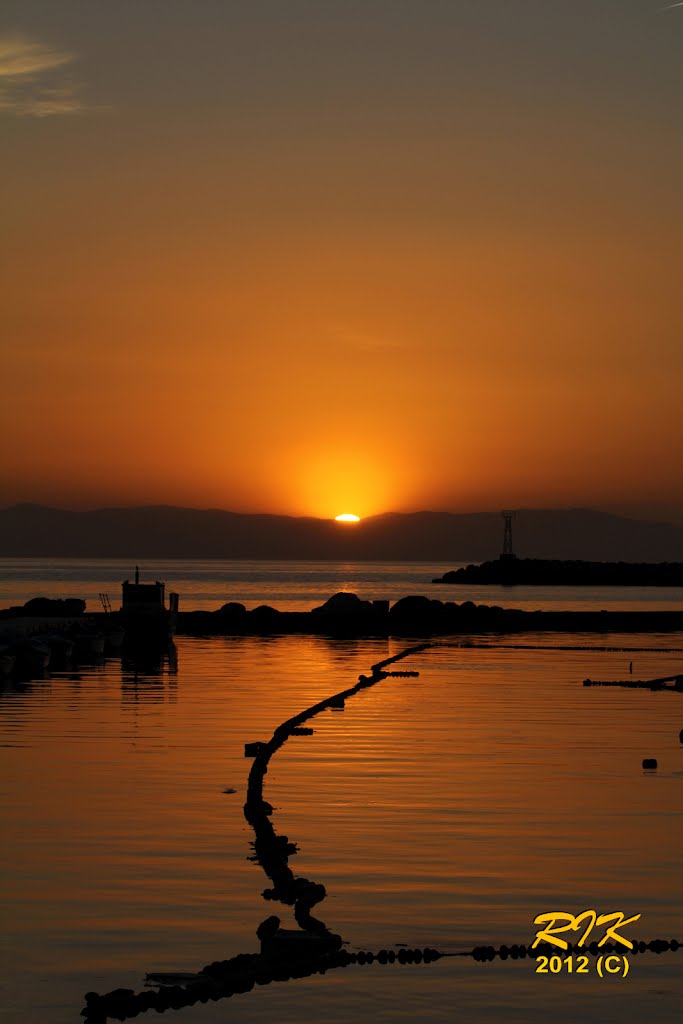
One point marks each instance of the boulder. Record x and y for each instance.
(344, 604)
(416, 609)
(54, 607)
(233, 610)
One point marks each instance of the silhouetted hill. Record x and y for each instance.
(168, 532)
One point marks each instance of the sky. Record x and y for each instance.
(313, 257)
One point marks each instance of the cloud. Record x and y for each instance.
(362, 341)
(20, 56)
(32, 78)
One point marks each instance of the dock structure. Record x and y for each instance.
(144, 614)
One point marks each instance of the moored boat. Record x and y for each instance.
(88, 643)
(7, 659)
(31, 657)
(61, 648)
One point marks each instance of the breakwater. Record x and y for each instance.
(347, 615)
(32, 645)
(567, 573)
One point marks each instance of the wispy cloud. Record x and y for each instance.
(33, 81)
(362, 341)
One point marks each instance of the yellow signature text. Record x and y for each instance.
(557, 922)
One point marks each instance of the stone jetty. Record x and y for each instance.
(510, 571)
(346, 614)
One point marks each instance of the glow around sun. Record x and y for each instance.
(347, 517)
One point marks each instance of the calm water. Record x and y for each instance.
(444, 811)
(297, 586)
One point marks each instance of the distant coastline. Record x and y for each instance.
(165, 532)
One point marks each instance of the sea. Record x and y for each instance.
(447, 810)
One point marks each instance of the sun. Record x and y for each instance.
(347, 517)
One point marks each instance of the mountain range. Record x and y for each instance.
(163, 532)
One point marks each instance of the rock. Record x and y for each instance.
(343, 604)
(233, 609)
(263, 615)
(47, 606)
(416, 608)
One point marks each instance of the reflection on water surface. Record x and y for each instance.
(446, 811)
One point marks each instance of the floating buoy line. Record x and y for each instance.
(244, 972)
(642, 684)
(288, 954)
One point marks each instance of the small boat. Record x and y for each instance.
(88, 643)
(61, 648)
(32, 657)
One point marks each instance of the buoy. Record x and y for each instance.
(253, 749)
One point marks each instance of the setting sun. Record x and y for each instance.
(347, 517)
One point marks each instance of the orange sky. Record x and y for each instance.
(357, 257)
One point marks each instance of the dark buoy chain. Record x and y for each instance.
(225, 978)
(520, 952)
